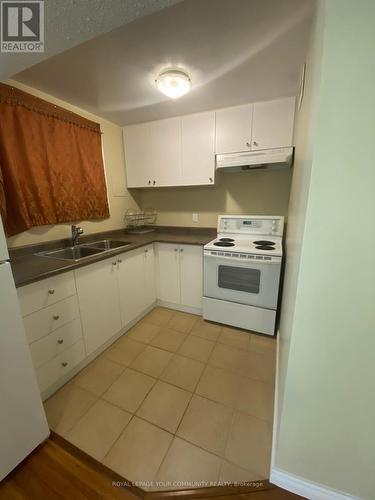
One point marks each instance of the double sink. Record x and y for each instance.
(84, 250)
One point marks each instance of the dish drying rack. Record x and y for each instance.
(140, 221)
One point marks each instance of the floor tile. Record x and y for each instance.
(143, 332)
(124, 351)
(249, 444)
(229, 358)
(98, 375)
(219, 385)
(129, 390)
(183, 372)
(159, 316)
(196, 348)
(165, 406)
(152, 361)
(256, 399)
(189, 464)
(66, 407)
(206, 330)
(206, 424)
(260, 366)
(234, 338)
(236, 475)
(168, 339)
(261, 344)
(183, 322)
(98, 429)
(139, 451)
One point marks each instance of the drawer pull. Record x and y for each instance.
(64, 364)
(60, 341)
(51, 291)
(56, 317)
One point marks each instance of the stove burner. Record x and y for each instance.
(265, 247)
(226, 239)
(263, 242)
(223, 244)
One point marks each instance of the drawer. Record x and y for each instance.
(48, 347)
(55, 369)
(41, 323)
(46, 292)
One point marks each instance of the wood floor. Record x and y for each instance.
(59, 470)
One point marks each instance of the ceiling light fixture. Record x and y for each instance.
(173, 83)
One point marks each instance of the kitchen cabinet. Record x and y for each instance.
(180, 274)
(166, 152)
(136, 282)
(273, 124)
(198, 148)
(138, 156)
(233, 129)
(99, 303)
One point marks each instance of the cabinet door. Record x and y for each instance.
(166, 152)
(131, 284)
(98, 302)
(191, 276)
(273, 124)
(149, 291)
(138, 157)
(198, 148)
(233, 129)
(168, 271)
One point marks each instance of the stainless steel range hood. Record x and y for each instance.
(249, 160)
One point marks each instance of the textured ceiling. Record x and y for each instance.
(71, 22)
(236, 51)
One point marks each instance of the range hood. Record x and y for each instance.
(250, 160)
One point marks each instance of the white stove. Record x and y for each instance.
(242, 272)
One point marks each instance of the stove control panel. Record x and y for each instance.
(250, 224)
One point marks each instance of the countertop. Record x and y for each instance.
(28, 267)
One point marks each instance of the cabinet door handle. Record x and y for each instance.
(51, 291)
(64, 364)
(60, 341)
(149, 183)
(119, 261)
(248, 144)
(255, 143)
(56, 317)
(114, 264)
(210, 179)
(154, 182)
(146, 251)
(176, 249)
(181, 249)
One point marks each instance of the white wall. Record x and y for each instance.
(120, 199)
(326, 426)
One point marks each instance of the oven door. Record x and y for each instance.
(250, 282)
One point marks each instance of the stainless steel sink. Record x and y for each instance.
(75, 253)
(106, 244)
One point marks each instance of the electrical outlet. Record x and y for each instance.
(195, 217)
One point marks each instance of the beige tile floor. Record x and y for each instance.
(175, 402)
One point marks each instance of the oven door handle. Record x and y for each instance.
(252, 262)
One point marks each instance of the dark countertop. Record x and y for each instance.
(28, 267)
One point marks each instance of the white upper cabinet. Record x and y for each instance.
(233, 129)
(198, 148)
(166, 152)
(273, 124)
(138, 156)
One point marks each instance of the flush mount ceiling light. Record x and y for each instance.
(173, 83)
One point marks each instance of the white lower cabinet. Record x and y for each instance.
(136, 281)
(180, 274)
(99, 303)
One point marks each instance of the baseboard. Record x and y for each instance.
(180, 307)
(305, 488)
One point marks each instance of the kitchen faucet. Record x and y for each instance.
(76, 232)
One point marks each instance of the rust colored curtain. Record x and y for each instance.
(51, 165)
